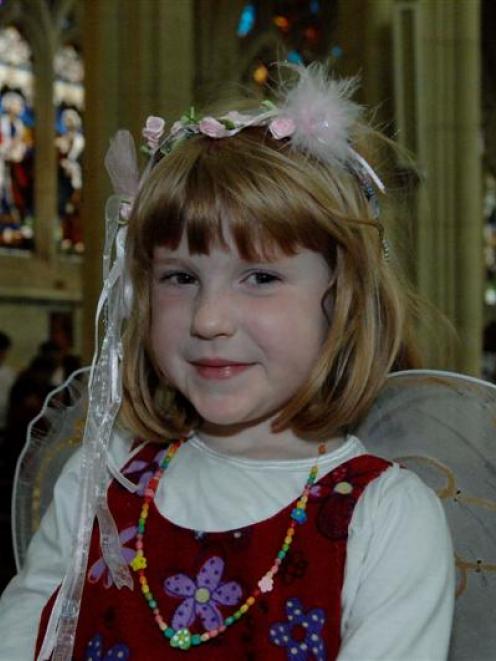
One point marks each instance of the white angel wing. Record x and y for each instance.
(51, 439)
(443, 426)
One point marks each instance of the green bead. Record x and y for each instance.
(195, 639)
(181, 639)
(169, 632)
(281, 555)
(237, 615)
(285, 547)
(152, 603)
(228, 621)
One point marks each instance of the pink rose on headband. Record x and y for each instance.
(153, 131)
(282, 127)
(211, 127)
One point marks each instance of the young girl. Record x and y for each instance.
(242, 518)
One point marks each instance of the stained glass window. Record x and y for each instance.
(16, 141)
(247, 20)
(300, 31)
(69, 142)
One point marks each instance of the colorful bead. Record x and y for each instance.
(183, 639)
(299, 515)
(138, 562)
(266, 583)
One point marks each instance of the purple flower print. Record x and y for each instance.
(100, 568)
(202, 596)
(146, 468)
(94, 651)
(301, 634)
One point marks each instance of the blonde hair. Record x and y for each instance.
(270, 197)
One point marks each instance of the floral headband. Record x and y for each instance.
(317, 117)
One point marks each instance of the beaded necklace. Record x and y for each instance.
(183, 639)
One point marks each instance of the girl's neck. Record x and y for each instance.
(260, 442)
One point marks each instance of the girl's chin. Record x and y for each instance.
(224, 422)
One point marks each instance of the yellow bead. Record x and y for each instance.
(244, 608)
(288, 539)
(138, 562)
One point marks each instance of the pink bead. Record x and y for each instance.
(139, 544)
(277, 562)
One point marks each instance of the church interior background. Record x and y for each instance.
(73, 72)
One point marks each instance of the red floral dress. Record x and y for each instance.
(199, 579)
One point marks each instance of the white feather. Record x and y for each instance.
(323, 114)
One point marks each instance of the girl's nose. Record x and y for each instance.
(212, 316)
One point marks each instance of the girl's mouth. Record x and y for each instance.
(217, 368)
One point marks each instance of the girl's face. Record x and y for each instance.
(237, 338)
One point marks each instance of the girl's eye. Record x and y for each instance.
(177, 278)
(262, 278)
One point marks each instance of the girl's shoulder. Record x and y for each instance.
(398, 499)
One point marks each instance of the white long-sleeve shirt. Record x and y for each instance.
(398, 592)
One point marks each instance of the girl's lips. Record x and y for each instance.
(219, 369)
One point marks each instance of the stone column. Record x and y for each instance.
(449, 220)
(217, 47)
(44, 44)
(139, 60)
(102, 96)
(470, 269)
